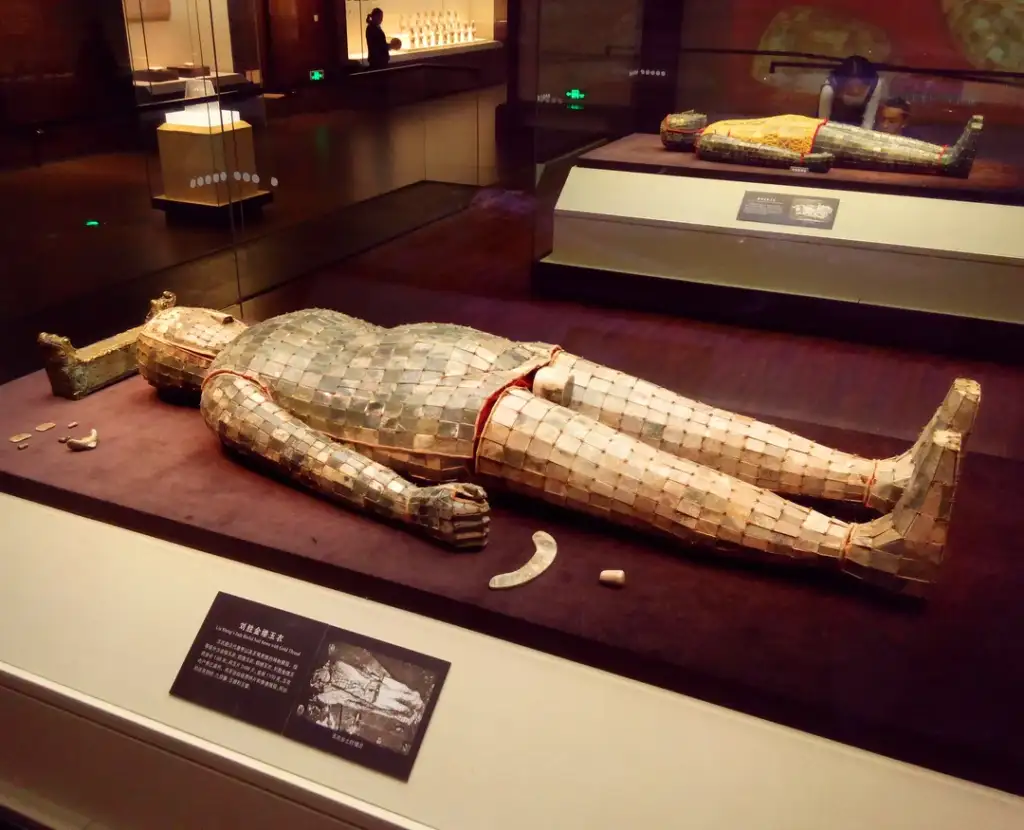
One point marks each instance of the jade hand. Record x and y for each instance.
(456, 514)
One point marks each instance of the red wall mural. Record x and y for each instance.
(943, 34)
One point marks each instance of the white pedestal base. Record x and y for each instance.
(931, 255)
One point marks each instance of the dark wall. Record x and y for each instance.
(62, 60)
(247, 21)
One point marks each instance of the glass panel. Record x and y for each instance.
(937, 63)
(588, 65)
(582, 78)
(421, 27)
(119, 112)
(196, 71)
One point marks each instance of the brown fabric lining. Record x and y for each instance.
(939, 685)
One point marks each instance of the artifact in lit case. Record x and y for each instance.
(406, 423)
(816, 144)
(207, 159)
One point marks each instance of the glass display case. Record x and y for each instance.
(195, 64)
(156, 114)
(937, 114)
(585, 67)
(185, 48)
(421, 27)
(729, 514)
(928, 69)
(880, 205)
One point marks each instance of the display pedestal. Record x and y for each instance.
(208, 169)
(990, 181)
(921, 257)
(98, 620)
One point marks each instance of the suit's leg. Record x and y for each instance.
(856, 147)
(548, 451)
(750, 450)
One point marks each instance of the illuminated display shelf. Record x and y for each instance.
(403, 55)
(448, 27)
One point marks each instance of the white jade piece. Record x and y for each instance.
(81, 444)
(615, 578)
(546, 548)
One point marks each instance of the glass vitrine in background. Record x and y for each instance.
(588, 53)
(183, 48)
(195, 68)
(424, 27)
(938, 64)
(578, 72)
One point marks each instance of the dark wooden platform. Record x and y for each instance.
(938, 685)
(990, 181)
(249, 207)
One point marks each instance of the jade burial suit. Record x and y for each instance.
(817, 144)
(411, 423)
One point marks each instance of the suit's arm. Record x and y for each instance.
(247, 421)
(733, 151)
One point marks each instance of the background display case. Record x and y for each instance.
(185, 48)
(939, 64)
(425, 27)
(598, 59)
(806, 651)
(196, 67)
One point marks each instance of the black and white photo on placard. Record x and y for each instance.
(369, 696)
(337, 690)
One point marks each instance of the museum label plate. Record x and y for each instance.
(359, 698)
(788, 209)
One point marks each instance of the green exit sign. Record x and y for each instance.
(575, 95)
(316, 74)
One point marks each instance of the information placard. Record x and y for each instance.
(336, 690)
(789, 209)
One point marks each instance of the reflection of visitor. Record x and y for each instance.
(345, 685)
(378, 47)
(893, 116)
(851, 93)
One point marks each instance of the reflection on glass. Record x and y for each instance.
(180, 48)
(594, 58)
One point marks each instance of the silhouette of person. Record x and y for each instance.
(378, 47)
